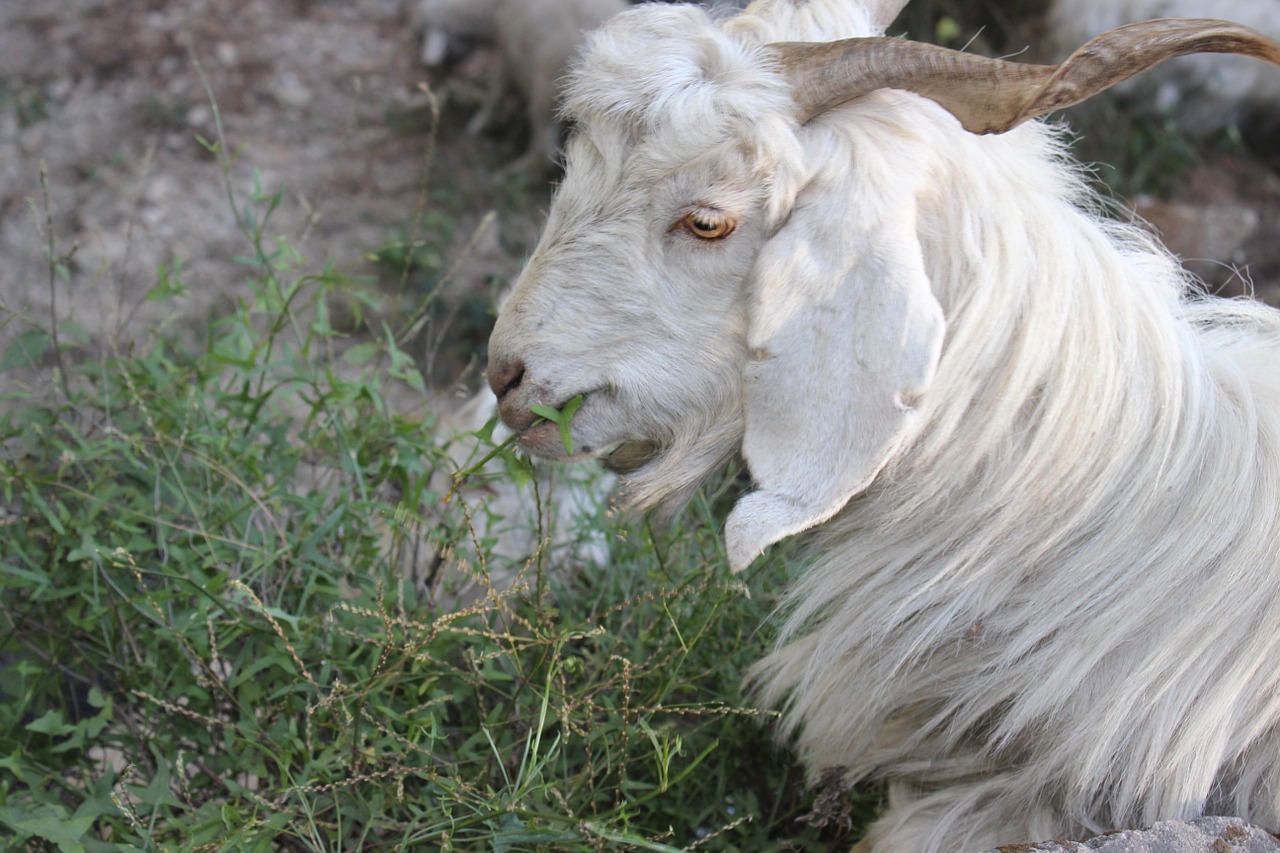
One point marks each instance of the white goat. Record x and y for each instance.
(1204, 93)
(1044, 591)
(536, 41)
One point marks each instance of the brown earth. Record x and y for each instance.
(320, 101)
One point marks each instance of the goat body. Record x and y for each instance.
(1043, 474)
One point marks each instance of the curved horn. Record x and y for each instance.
(992, 95)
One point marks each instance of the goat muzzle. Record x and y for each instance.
(515, 396)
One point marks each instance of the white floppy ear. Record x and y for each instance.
(845, 335)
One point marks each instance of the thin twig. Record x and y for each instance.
(51, 245)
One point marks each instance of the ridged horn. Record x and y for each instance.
(993, 95)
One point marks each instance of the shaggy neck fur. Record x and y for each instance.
(1062, 549)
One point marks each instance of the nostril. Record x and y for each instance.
(506, 376)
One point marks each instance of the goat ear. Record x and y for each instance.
(845, 335)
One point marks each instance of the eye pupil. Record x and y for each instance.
(708, 227)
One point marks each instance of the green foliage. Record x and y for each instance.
(979, 26)
(404, 253)
(1131, 155)
(212, 636)
(561, 417)
(29, 103)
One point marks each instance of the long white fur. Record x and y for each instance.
(1044, 591)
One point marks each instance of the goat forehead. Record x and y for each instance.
(657, 65)
(609, 175)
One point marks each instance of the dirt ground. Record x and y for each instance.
(322, 100)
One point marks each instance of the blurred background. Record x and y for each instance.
(331, 105)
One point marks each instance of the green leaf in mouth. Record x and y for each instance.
(561, 417)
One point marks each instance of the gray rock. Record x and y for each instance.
(1204, 835)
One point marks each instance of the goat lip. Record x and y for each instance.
(518, 418)
(543, 438)
(623, 457)
(536, 435)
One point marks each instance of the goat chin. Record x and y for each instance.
(1039, 472)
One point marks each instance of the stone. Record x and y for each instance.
(1203, 835)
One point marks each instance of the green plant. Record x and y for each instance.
(1132, 156)
(212, 636)
(561, 417)
(201, 654)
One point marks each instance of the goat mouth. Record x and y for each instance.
(631, 456)
(542, 438)
(545, 438)
(621, 457)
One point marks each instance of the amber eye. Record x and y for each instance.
(706, 224)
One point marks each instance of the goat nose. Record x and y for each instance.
(505, 376)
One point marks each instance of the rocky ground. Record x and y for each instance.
(323, 101)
